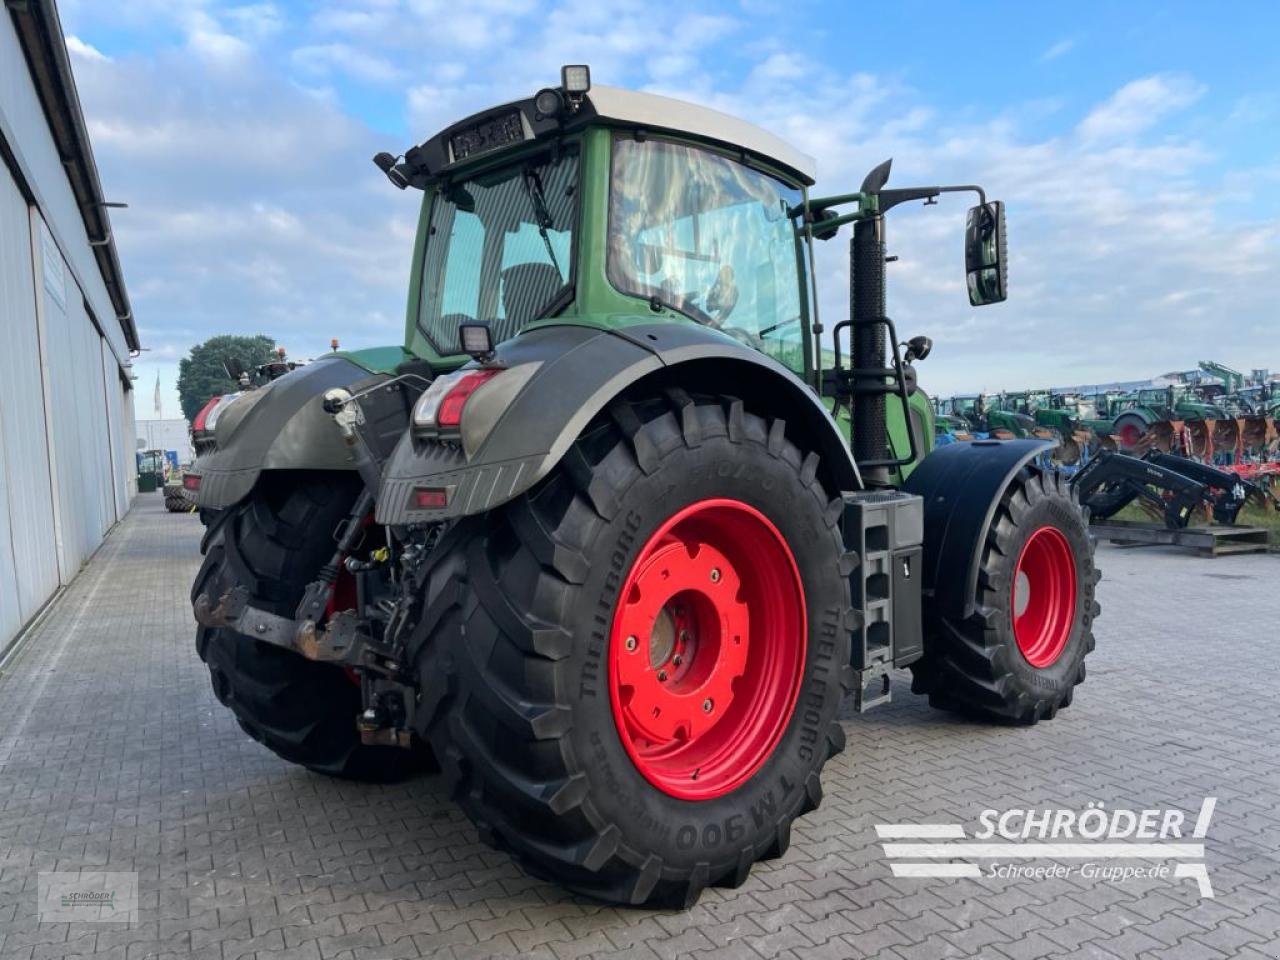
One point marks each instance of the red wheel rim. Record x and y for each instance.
(707, 649)
(1043, 596)
(1130, 434)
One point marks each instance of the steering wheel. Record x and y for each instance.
(723, 296)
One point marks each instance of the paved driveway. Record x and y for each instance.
(114, 755)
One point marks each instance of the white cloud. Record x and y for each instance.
(85, 51)
(1139, 105)
(342, 58)
(1063, 46)
(254, 207)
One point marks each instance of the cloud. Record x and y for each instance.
(1063, 46)
(1139, 105)
(241, 139)
(85, 51)
(342, 58)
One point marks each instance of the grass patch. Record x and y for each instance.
(1251, 516)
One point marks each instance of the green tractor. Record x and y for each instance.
(996, 416)
(1067, 418)
(1156, 409)
(593, 538)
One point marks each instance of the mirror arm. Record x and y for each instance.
(818, 203)
(891, 198)
(834, 223)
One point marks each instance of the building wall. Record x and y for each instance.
(67, 471)
(28, 558)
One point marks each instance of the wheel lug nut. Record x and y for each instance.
(632, 643)
(715, 574)
(662, 676)
(707, 705)
(677, 660)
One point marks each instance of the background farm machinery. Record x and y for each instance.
(1205, 439)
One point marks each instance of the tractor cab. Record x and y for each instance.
(592, 204)
(616, 210)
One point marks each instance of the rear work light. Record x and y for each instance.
(430, 498)
(440, 406)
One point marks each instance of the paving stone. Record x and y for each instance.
(126, 761)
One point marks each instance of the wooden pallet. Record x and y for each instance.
(1206, 541)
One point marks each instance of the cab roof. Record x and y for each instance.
(498, 128)
(651, 111)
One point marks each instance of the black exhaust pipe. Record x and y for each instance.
(866, 313)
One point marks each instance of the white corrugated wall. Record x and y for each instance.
(28, 564)
(121, 442)
(67, 470)
(76, 400)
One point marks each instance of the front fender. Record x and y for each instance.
(571, 373)
(961, 485)
(282, 426)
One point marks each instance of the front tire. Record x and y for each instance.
(554, 624)
(1019, 656)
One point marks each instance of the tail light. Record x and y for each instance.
(199, 422)
(439, 409)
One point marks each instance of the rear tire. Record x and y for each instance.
(1019, 656)
(275, 543)
(523, 669)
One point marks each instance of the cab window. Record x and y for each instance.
(709, 237)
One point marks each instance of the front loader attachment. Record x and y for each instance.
(1170, 487)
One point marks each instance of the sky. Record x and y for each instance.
(1136, 145)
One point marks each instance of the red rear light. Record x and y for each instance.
(198, 422)
(191, 481)
(430, 498)
(449, 415)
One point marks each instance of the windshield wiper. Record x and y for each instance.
(533, 187)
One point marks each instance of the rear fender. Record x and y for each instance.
(961, 485)
(282, 426)
(518, 426)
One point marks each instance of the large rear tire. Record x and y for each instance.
(631, 674)
(275, 543)
(1019, 656)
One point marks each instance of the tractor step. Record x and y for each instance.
(885, 528)
(1206, 541)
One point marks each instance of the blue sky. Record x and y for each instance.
(1135, 144)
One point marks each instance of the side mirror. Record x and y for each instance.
(986, 254)
(917, 349)
(234, 368)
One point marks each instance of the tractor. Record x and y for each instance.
(606, 538)
(990, 416)
(1160, 411)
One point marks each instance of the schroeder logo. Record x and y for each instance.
(92, 896)
(1082, 843)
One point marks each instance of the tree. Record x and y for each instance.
(200, 375)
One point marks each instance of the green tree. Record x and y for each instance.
(200, 374)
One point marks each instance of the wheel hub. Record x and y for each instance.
(1043, 596)
(696, 634)
(707, 649)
